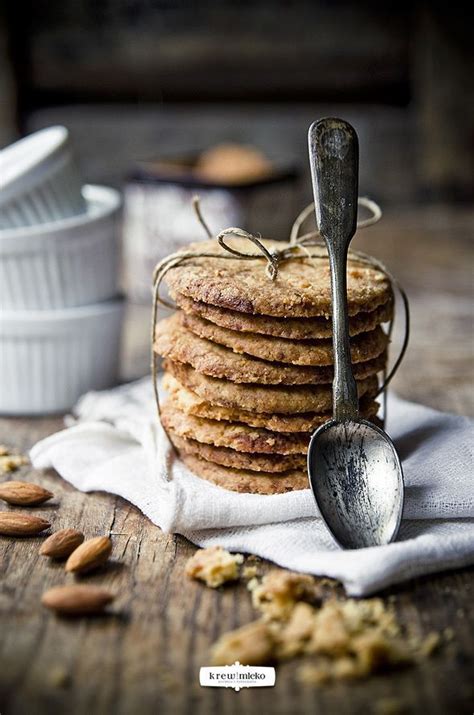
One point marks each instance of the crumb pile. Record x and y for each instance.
(10, 462)
(248, 363)
(300, 615)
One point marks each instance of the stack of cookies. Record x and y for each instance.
(249, 363)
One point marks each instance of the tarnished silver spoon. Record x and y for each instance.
(353, 467)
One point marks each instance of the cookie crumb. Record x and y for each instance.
(344, 639)
(279, 591)
(214, 566)
(252, 584)
(11, 462)
(4, 451)
(252, 644)
(293, 636)
(250, 572)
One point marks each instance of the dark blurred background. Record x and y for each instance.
(136, 78)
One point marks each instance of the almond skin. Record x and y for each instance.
(62, 543)
(89, 555)
(24, 493)
(77, 600)
(14, 524)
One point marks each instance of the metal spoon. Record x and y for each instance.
(353, 467)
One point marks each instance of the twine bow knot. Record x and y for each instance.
(272, 256)
(296, 243)
(298, 247)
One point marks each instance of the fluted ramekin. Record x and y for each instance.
(64, 263)
(48, 359)
(40, 180)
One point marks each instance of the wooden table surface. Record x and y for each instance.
(146, 657)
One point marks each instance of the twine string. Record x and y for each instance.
(305, 246)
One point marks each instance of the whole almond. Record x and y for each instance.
(77, 600)
(14, 524)
(62, 543)
(89, 555)
(24, 493)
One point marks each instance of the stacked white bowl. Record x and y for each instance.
(60, 312)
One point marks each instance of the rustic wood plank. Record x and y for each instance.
(158, 52)
(146, 656)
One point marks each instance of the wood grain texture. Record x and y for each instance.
(145, 657)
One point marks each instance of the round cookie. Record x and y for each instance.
(262, 398)
(302, 288)
(236, 435)
(189, 402)
(174, 342)
(365, 346)
(290, 328)
(226, 457)
(239, 480)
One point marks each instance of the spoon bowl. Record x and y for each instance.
(357, 482)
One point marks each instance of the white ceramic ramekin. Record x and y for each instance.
(49, 359)
(39, 180)
(65, 263)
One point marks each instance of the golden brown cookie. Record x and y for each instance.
(291, 328)
(236, 435)
(240, 480)
(302, 288)
(262, 398)
(365, 346)
(227, 457)
(178, 344)
(189, 402)
(232, 164)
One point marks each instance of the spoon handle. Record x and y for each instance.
(334, 159)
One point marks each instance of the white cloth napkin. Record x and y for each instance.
(117, 446)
